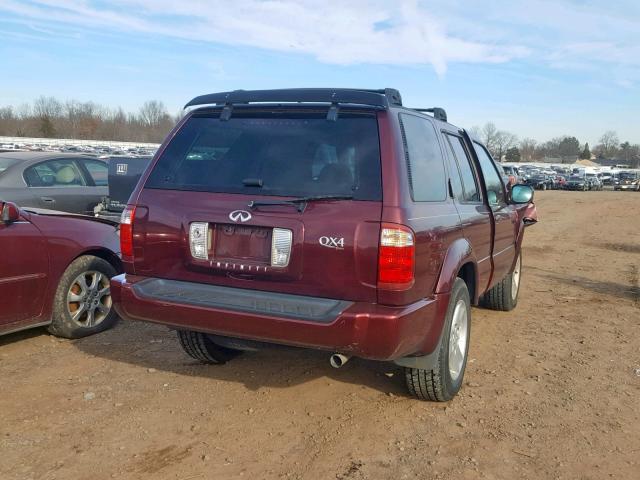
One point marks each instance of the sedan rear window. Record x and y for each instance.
(286, 154)
(6, 163)
(54, 173)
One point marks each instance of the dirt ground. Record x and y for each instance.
(552, 389)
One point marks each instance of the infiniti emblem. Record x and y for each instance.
(240, 216)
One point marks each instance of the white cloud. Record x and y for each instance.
(570, 34)
(336, 32)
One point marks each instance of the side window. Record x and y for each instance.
(98, 171)
(424, 159)
(468, 174)
(495, 187)
(454, 173)
(54, 173)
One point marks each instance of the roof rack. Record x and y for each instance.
(438, 113)
(377, 98)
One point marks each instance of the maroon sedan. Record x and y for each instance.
(54, 270)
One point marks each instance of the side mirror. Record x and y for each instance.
(521, 194)
(10, 212)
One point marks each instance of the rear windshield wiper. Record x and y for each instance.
(300, 203)
(252, 182)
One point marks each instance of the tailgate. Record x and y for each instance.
(193, 221)
(333, 243)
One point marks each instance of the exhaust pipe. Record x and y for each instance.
(338, 360)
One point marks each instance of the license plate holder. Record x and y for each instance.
(242, 243)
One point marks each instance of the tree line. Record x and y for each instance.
(508, 147)
(49, 117)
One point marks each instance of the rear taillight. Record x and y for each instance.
(199, 240)
(396, 257)
(281, 247)
(126, 231)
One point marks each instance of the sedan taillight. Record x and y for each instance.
(126, 232)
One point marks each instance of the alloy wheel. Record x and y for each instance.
(89, 299)
(458, 340)
(515, 279)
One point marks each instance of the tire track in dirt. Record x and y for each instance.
(550, 390)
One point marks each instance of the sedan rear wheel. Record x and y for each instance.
(89, 299)
(83, 303)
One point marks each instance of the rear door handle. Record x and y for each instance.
(48, 200)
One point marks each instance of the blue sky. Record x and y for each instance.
(536, 68)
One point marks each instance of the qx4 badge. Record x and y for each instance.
(332, 242)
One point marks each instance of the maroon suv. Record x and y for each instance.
(326, 218)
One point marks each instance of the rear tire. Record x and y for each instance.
(82, 304)
(504, 295)
(199, 346)
(443, 381)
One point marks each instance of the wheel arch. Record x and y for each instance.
(460, 262)
(105, 254)
(467, 272)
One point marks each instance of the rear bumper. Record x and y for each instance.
(361, 329)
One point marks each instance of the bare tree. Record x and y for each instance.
(86, 120)
(503, 142)
(152, 113)
(630, 154)
(488, 135)
(608, 145)
(527, 149)
(496, 141)
(46, 109)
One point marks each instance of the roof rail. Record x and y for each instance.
(377, 98)
(438, 113)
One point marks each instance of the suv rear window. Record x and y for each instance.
(289, 154)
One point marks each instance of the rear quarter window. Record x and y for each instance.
(54, 173)
(425, 163)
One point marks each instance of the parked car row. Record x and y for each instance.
(96, 149)
(579, 179)
(337, 228)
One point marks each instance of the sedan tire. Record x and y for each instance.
(82, 303)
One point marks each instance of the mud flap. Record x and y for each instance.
(425, 362)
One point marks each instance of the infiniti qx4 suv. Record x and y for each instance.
(334, 219)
